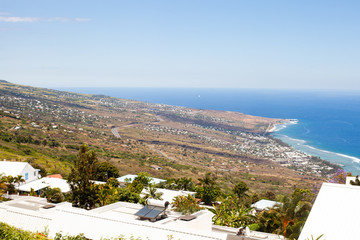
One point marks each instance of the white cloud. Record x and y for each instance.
(36, 19)
(18, 19)
(57, 19)
(82, 19)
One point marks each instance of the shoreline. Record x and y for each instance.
(281, 126)
(347, 162)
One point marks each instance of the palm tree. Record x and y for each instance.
(208, 180)
(292, 212)
(208, 188)
(186, 184)
(104, 193)
(2, 186)
(19, 179)
(269, 221)
(9, 181)
(152, 193)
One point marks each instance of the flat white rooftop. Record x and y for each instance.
(109, 221)
(334, 214)
(130, 177)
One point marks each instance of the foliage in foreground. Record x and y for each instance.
(186, 204)
(288, 217)
(9, 232)
(13, 233)
(231, 214)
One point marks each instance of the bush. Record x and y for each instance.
(254, 227)
(9, 232)
(186, 204)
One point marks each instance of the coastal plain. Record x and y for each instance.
(46, 127)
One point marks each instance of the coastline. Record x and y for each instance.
(287, 105)
(347, 162)
(281, 126)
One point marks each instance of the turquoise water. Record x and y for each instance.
(329, 121)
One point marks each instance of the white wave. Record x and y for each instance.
(278, 127)
(301, 142)
(298, 141)
(355, 159)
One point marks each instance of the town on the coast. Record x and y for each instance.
(81, 167)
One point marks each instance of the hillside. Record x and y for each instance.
(46, 127)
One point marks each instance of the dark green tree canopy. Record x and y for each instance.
(105, 170)
(208, 188)
(82, 188)
(240, 189)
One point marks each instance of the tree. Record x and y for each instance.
(151, 192)
(184, 183)
(269, 221)
(104, 193)
(229, 213)
(19, 179)
(53, 195)
(240, 189)
(106, 170)
(292, 212)
(339, 176)
(142, 180)
(125, 195)
(269, 195)
(83, 190)
(208, 188)
(9, 182)
(113, 182)
(3, 186)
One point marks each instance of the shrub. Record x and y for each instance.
(186, 204)
(254, 227)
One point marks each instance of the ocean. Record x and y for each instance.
(328, 121)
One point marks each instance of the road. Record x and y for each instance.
(115, 132)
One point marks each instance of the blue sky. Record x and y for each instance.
(181, 43)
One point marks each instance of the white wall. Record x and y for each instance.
(29, 173)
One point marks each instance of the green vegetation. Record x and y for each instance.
(186, 204)
(231, 214)
(288, 217)
(240, 189)
(105, 170)
(82, 188)
(208, 188)
(9, 232)
(7, 183)
(53, 195)
(48, 128)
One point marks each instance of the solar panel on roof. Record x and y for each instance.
(153, 213)
(142, 212)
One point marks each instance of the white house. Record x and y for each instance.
(169, 195)
(334, 213)
(130, 177)
(19, 168)
(46, 182)
(264, 204)
(111, 221)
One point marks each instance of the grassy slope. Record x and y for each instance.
(175, 145)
